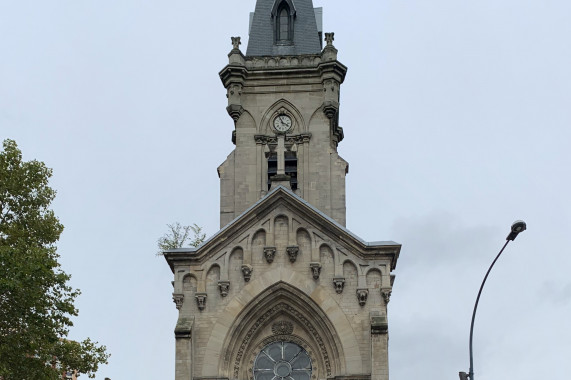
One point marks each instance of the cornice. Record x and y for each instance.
(270, 67)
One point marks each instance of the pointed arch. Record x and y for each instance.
(283, 15)
(279, 3)
(281, 293)
(299, 125)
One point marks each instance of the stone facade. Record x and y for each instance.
(306, 89)
(283, 273)
(231, 294)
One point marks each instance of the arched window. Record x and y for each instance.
(282, 361)
(283, 31)
(283, 24)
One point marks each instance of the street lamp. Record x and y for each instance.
(517, 227)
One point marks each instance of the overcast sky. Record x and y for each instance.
(457, 120)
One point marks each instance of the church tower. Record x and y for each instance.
(283, 291)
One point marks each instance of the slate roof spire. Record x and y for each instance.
(284, 27)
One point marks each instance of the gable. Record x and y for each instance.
(280, 220)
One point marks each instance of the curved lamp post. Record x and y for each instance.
(517, 227)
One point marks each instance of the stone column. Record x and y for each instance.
(379, 347)
(183, 355)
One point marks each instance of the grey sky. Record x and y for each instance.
(457, 122)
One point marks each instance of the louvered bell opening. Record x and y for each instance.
(291, 168)
(272, 167)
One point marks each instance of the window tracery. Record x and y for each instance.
(282, 360)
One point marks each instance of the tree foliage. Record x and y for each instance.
(178, 236)
(36, 302)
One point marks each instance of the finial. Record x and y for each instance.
(329, 37)
(236, 43)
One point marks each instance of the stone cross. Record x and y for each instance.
(329, 37)
(236, 42)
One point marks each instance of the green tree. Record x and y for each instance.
(178, 236)
(36, 302)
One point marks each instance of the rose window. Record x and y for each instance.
(282, 361)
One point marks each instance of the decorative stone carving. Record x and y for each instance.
(260, 63)
(329, 37)
(201, 300)
(290, 140)
(292, 252)
(339, 283)
(269, 254)
(330, 108)
(235, 111)
(386, 293)
(315, 270)
(269, 314)
(178, 299)
(236, 43)
(362, 295)
(224, 287)
(282, 328)
(233, 78)
(379, 325)
(247, 272)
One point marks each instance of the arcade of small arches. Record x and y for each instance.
(277, 240)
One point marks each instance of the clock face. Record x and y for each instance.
(282, 123)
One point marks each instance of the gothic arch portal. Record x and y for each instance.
(312, 319)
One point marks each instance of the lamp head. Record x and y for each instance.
(517, 227)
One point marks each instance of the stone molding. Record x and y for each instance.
(352, 377)
(290, 61)
(314, 221)
(379, 324)
(235, 111)
(330, 108)
(183, 328)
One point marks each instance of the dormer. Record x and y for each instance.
(285, 27)
(283, 17)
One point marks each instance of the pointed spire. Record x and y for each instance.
(284, 27)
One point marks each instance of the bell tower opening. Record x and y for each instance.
(290, 170)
